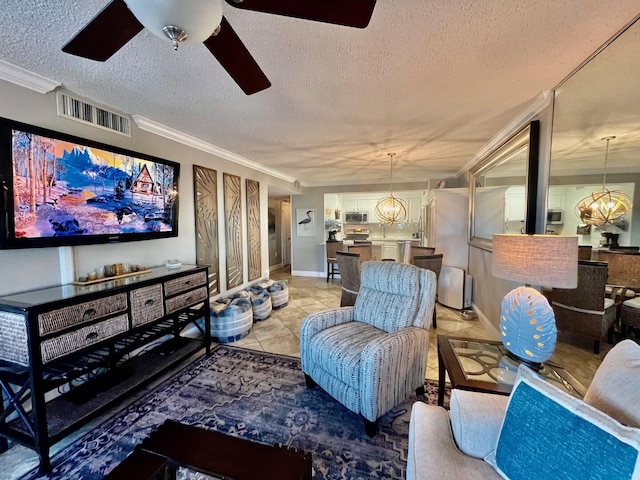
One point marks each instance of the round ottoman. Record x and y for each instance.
(231, 319)
(279, 293)
(261, 302)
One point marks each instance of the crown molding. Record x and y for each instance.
(530, 112)
(25, 78)
(177, 136)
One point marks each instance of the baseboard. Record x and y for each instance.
(275, 267)
(486, 323)
(307, 273)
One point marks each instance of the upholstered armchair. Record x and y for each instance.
(371, 356)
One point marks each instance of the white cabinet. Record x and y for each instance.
(556, 199)
(514, 204)
(350, 205)
(390, 250)
(415, 210)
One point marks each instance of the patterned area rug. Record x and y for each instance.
(258, 396)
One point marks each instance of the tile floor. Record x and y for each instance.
(280, 332)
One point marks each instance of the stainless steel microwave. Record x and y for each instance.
(356, 217)
(555, 217)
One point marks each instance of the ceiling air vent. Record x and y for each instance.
(82, 111)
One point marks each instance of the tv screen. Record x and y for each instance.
(63, 190)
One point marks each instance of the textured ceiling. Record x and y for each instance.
(432, 81)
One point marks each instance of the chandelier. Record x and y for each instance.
(391, 210)
(604, 206)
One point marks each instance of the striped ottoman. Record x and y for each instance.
(279, 293)
(231, 319)
(260, 301)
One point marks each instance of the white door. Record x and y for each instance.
(285, 208)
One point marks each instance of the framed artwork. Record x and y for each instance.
(205, 191)
(305, 222)
(233, 229)
(254, 258)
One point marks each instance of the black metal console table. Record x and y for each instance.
(86, 343)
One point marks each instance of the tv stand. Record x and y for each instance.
(89, 342)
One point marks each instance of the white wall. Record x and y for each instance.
(36, 268)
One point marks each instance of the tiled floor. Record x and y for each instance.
(280, 332)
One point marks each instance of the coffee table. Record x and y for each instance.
(484, 366)
(174, 445)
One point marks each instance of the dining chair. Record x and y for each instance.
(363, 249)
(584, 252)
(623, 268)
(434, 263)
(332, 261)
(420, 251)
(349, 266)
(585, 310)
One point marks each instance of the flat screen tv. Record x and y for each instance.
(62, 190)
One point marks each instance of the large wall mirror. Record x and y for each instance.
(601, 100)
(502, 189)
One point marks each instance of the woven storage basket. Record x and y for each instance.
(83, 337)
(13, 341)
(185, 283)
(261, 302)
(61, 318)
(146, 305)
(185, 300)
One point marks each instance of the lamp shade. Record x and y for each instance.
(545, 260)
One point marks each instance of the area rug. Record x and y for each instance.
(258, 396)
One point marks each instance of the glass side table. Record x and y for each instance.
(484, 366)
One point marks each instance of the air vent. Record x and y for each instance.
(82, 111)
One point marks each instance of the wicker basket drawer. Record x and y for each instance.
(56, 320)
(83, 337)
(13, 341)
(182, 284)
(186, 300)
(146, 305)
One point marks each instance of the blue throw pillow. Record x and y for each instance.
(548, 435)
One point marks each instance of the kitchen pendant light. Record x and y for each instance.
(391, 210)
(604, 206)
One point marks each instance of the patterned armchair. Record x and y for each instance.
(371, 356)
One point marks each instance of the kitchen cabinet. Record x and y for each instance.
(390, 250)
(514, 204)
(556, 199)
(415, 210)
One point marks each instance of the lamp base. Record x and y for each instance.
(535, 366)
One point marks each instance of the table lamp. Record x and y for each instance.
(527, 322)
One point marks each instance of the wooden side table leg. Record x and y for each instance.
(441, 376)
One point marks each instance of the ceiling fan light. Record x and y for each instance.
(196, 18)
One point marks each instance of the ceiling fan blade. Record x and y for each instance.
(351, 13)
(229, 50)
(106, 33)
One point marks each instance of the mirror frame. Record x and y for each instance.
(529, 135)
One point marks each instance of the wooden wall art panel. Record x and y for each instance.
(233, 229)
(205, 190)
(254, 258)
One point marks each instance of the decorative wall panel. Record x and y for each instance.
(233, 229)
(254, 258)
(205, 190)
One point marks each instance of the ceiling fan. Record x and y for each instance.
(195, 21)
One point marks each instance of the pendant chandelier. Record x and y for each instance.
(604, 206)
(391, 210)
